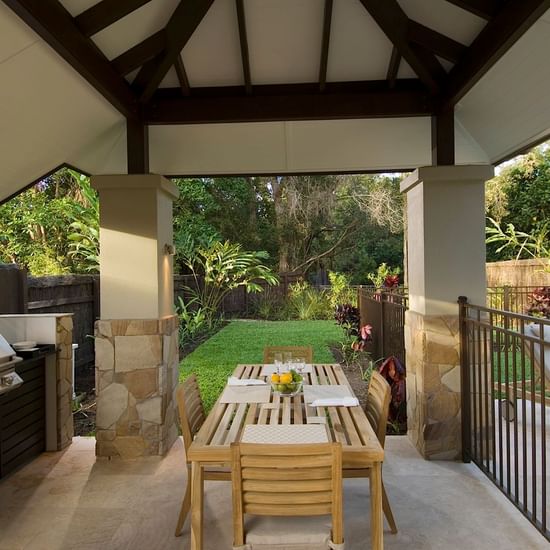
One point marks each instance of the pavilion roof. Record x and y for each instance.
(367, 66)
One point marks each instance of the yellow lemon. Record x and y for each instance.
(285, 378)
(275, 378)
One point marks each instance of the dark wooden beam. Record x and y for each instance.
(393, 21)
(482, 8)
(435, 42)
(54, 24)
(105, 13)
(288, 102)
(137, 147)
(241, 18)
(443, 138)
(185, 19)
(497, 37)
(325, 44)
(182, 76)
(393, 67)
(136, 56)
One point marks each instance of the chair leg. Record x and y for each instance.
(387, 510)
(185, 506)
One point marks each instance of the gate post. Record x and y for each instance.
(465, 380)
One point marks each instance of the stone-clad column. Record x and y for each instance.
(136, 340)
(446, 259)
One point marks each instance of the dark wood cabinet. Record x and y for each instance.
(23, 417)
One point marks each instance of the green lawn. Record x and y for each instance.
(244, 341)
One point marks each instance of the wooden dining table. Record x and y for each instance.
(347, 425)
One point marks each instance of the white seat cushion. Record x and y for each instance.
(288, 533)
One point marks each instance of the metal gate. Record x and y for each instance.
(506, 403)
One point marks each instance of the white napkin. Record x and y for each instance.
(335, 402)
(234, 381)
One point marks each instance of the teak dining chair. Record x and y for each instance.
(378, 404)
(295, 481)
(304, 353)
(192, 416)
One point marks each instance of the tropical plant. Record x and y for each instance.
(534, 245)
(218, 268)
(384, 273)
(539, 302)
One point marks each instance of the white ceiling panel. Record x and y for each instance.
(14, 34)
(445, 18)
(170, 80)
(212, 57)
(284, 38)
(48, 113)
(358, 49)
(405, 70)
(135, 27)
(510, 107)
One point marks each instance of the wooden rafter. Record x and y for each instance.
(139, 54)
(497, 37)
(393, 67)
(435, 42)
(185, 19)
(393, 21)
(54, 24)
(137, 147)
(182, 76)
(325, 44)
(482, 8)
(105, 13)
(241, 18)
(289, 102)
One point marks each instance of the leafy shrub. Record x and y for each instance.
(270, 306)
(196, 323)
(340, 290)
(539, 302)
(306, 303)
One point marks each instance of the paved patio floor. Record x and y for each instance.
(69, 500)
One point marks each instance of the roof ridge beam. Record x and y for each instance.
(394, 23)
(179, 29)
(105, 13)
(497, 37)
(434, 41)
(55, 25)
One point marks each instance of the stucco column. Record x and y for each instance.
(446, 259)
(136, 340)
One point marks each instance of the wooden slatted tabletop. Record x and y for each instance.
(347, 425)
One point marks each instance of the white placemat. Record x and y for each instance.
(311, 393)
(268, 370)
(284, 434)
(234, 381)
(246, 394)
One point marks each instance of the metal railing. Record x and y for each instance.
(504, 403)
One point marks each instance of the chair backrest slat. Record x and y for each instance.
(287, 480)
(190, 408)
(378, 405)
(302, 353)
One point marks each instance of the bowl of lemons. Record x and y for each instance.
(287, 383)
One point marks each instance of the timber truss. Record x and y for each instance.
(434, 91)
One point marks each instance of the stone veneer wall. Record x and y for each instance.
(136, 377)
(433, 384)
(64, 378)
